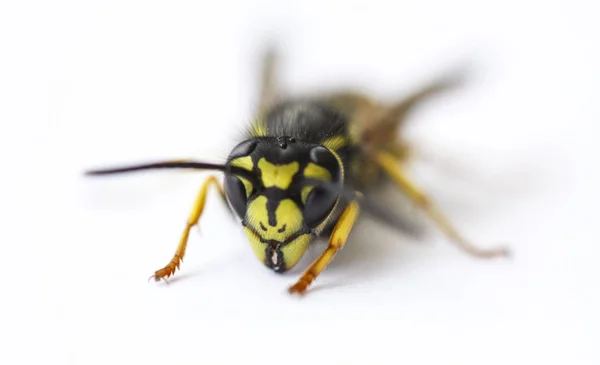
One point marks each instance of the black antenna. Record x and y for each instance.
(194, 165)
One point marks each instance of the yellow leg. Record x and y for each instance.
(337, 240)
(390, 166)
(173, 265)
(400, 150)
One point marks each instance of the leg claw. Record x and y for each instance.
(158, 278)
(299, 287)
(161, 274)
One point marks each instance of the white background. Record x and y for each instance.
(89, 84)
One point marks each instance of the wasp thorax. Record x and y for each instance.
(281, 207)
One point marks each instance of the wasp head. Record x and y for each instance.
(281, 203)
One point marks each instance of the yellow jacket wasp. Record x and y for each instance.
(306, 170)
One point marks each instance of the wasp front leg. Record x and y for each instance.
(337, 240)
(197, 210)
(389, 164)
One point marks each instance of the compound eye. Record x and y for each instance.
(239, 189)
(236, 193)
(324, 158)
(318, 205)
(319, 202)
(243, 149)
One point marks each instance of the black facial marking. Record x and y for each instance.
(291, 238)
(274, 252)
(262, 226)
(282, 229)
(272, 205)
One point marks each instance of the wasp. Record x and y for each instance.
(306, 169)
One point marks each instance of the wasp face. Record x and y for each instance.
(280, 209)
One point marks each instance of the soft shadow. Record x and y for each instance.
(316, 288)
(375, 249)
(371, 251)
(520, 178)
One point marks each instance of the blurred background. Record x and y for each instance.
(511, 158)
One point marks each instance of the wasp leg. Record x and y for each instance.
(337, 240)
(398, 111)
(389, 165)
(197, 209)
(402, 151)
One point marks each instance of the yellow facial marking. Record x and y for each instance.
(257, 246)
(313, 171)
(317, 172)
(243, 162)
(247, 186)
(288, 215)
(247, 164)
(293, 251)
(305, 191)
(335, 142)
(277, 175)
